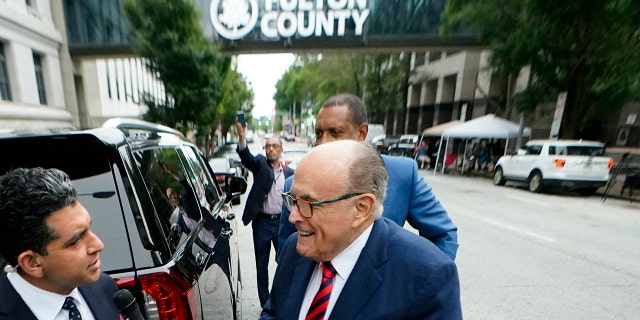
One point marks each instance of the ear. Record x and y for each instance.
(29, 262)
(364, 209)
(362, 131)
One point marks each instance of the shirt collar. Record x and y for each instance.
(346, 260)
(45, 305)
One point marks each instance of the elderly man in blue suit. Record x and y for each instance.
(54, 258)
(409, 197)
(346, 261)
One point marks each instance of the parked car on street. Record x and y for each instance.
(291, 157)
(569, 164)
(406, 146)
(378, 143)
(249, 137)
(165, 222)
(288, 137)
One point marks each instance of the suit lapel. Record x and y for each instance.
(299, 282)
(100, 303)
(365, 277)
(11, 304)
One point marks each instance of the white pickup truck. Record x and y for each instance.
(570, 164)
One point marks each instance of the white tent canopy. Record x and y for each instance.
(489, 127)
(486, 127)
(437, 131)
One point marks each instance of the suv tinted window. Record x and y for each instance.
(584, 151)
(97, 193)
(534, 149)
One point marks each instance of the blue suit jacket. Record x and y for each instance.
(409, 198)
(99, 297)
(262, 181)
(398, 275)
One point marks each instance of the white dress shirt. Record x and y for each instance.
(47, 305)
(343, 263)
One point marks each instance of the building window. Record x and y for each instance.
(434, 55)
(5, 86)
(42, 92)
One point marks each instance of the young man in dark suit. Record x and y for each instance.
(348, 262)
(53, 257)
(264, 203)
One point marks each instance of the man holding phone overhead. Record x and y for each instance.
(264, 202)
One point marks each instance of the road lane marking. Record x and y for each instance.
(516, 229)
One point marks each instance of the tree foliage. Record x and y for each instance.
(380, 79)
(168, 34)
(587, 48)
(236, 96)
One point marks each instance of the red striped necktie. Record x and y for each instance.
(321, 300)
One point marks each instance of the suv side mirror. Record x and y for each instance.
(235, 187)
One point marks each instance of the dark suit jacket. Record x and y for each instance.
(398, 275)
(99, 297)
(262, 181)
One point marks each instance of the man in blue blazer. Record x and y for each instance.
(264, 203)
(346, 261)
(53, 257)
(409, 197)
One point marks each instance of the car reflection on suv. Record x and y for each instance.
(155, 204)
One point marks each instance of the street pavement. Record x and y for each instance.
(523, 255)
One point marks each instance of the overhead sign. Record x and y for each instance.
(234, 19)
(270, 26)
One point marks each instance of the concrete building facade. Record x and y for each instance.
(31, 82)
(43, 86)
(459, 85)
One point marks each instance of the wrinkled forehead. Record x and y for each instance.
(326, 166)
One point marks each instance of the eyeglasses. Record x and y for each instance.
(274, 146)
(305, 211)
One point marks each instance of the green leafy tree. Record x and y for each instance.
(386, 80)
(168, 34)
(587, 48)
(236, 96)
(380, 79)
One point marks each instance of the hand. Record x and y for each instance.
(240, 130)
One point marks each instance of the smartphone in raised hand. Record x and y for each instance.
(241, 119)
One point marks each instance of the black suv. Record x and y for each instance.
(155, 203)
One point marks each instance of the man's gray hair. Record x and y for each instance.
(368, 174)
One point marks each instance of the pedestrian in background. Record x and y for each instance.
(409, 197)
(346, 261)
(264, 203)
(54, 258)
(423, 156)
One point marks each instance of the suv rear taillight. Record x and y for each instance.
(164, 295)
(559, 162)
(610, 163)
